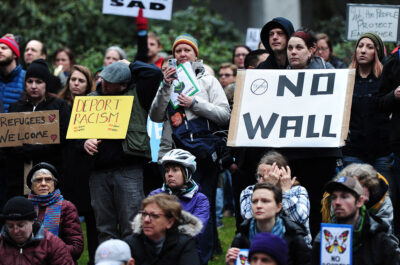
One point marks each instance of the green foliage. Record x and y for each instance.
(80, 25)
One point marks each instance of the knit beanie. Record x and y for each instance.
(41, 165)
(270, 244)
(39, 69)
(18, 208)
(12, 44)
(186, 39)
(379, 46)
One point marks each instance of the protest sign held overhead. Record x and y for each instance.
(100, 117)
(156, 9)
(39, 127)
(380, 19)
(291, 108)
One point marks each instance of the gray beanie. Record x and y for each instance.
(116, 73)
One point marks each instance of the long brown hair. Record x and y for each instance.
(376, 67)
(66, 94)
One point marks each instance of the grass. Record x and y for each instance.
(225, 234)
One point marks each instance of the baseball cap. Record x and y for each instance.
(116, 73)
(112, 252)
(348, 183)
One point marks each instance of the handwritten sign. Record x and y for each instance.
(242, 258)
(39, 127)
(380, 19)
(291, 108)
(253, 38)
(336, 244)
(100, 117)
(157, 9)
(186, 83)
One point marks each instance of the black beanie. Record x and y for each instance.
(39, 69)
(18, 208)
(39, 166)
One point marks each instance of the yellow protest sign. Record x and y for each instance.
(100, 117)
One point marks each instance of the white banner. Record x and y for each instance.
(291, 108)
(380, 19)
(253, 38)
(157, 9)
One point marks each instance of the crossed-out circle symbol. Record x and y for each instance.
(259, 86)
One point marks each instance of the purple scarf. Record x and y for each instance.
(53, 204)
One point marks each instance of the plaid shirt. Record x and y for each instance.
(295, 204)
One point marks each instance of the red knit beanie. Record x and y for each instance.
(12, 44)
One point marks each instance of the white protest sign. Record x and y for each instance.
(157, 9)
(291, 108)
(380, 19)
(336, 244)
(242, 258)
(253, 38)
(186, 83)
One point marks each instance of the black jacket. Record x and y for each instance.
(179, 247)
(377, 247)
(386, 100)
(369, 131)
(299, 253)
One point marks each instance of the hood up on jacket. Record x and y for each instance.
(189, 224)
(278, 22)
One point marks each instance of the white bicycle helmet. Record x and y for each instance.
(181, 157)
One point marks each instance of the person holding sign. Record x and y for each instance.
(191, 124)
(266, 204)
(372, 244)
(116, 180)
(57, 215)
(368, 140)
(36, 97)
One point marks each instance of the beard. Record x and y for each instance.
(6, 61)
(347, 219)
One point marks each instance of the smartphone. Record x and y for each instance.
(173, 64)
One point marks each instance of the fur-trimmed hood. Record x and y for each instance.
(189, 224)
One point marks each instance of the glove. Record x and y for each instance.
(141, 22)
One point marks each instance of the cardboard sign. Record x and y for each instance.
(186, 83)
(336, 244)
(100, 117)
(242, 257)
(253, 38)
(157, 9)
(380, 19)
(38, 127)
(291, 108)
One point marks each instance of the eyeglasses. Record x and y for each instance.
(40, 180)
(324, 49)
(152, 216)
(226, 75)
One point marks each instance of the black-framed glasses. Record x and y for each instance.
(152, 216)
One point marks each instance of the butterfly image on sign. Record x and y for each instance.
(336, 244)
(242, 257)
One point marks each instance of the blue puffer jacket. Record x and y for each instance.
(12, 86)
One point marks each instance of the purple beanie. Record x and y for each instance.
(270, 244)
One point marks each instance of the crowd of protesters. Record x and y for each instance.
(168, 213)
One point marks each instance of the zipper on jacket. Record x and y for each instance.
(20, 256)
